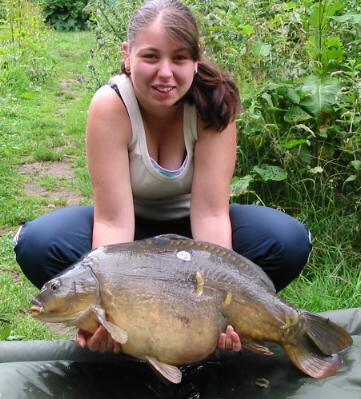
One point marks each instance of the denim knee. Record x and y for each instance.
(29, 252)
(290, 257)
(49, 244)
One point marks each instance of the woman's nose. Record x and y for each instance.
(165, 69)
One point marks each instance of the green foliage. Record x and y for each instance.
(298, 67)
(110, 19)
(24, 57)
(66, 14)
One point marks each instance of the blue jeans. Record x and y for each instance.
(275, 241)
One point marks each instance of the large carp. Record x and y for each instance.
(166, 299)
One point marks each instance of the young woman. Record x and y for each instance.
(161, 148)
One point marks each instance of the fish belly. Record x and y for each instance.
(175, 332)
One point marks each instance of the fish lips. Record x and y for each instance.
(36, 309)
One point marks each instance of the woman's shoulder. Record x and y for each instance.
(107, 113)
(106, 100)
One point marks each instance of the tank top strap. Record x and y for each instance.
(190, 125)
(126, 92)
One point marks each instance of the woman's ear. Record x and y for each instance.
(125, 48)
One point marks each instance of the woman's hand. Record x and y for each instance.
(100, 341)
(230, 340)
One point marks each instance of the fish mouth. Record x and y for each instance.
(36, 310)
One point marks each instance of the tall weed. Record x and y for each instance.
(24, 57)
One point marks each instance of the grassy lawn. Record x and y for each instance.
(42, 167)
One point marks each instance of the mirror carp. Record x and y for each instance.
(166, 299)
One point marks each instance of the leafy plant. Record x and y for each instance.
(24, 57)
(66, 14)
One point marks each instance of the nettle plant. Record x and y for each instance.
(302, 134)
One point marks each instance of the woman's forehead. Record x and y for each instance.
(156, 36)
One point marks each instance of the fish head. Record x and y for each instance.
(66, 297)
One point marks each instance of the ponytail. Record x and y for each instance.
(215, 96)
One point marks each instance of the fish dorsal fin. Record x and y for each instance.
(117, 333)
(170, 237)
(171, 373)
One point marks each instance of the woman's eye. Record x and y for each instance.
(149, 56)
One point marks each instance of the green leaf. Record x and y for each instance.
(247, 29)
(261, 49)
(240, 185)
(293, 96)
(350, 179)
(296, 114)
(319, 94)
(27, 95)
(305, 155)
(294, 143)
(270, 172)
(354, 19)
(356, 164)
(268, 98)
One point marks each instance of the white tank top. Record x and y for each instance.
(156, 195)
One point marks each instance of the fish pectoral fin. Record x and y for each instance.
(308, 358)
(117, 333)
(171, 373)
(256, 347)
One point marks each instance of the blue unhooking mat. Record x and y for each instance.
(62, 370)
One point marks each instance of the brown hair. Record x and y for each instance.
(213, 92)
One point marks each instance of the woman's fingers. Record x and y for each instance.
(100, 341)
(82, 338)
(96, 341)
(230, 340)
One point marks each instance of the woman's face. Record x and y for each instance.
(161, 70)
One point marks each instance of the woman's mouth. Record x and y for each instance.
(163, 89)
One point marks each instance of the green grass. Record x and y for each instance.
(40, 123)
(332, 279)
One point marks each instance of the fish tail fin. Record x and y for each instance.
(315, 349)
(308, 359)
(325, 334)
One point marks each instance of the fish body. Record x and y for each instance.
(167, 299)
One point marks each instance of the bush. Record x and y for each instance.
(66, 15)
(110, 19)
(24, 57)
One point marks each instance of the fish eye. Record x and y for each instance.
(54, 285)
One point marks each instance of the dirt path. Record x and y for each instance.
(53, 182)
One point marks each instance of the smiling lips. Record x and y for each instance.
(163, 89)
